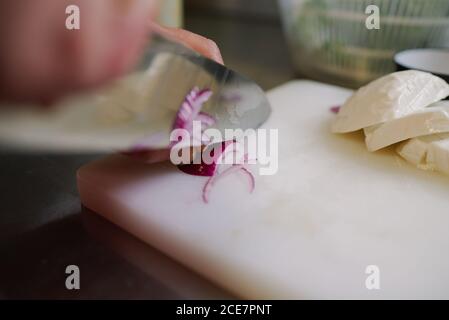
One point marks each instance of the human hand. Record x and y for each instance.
(41, 60)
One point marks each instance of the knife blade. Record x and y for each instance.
(138, 109)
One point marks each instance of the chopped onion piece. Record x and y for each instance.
(203, 170)
(335, 109)
(189, 112)
(190, 109)
(212, 180)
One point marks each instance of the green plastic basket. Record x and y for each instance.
(330, 42)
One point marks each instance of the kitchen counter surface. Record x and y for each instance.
(43, 228)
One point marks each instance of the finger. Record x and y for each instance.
(200, 44)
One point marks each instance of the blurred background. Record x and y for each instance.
(248, 32)
(318, 39)
(272, 42)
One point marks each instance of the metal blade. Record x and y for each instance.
(139, 109)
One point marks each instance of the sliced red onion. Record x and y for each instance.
(212, 170)
(190, 109)
(252, 180)
(205, 169)
(335, 109)
(214, 179)
(202, 170)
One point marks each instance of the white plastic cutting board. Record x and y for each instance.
(309, 231)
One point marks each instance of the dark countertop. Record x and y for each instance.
(43, 228)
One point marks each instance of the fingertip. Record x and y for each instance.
(198, 43)
(214, 51)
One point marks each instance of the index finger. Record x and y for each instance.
(200, 44)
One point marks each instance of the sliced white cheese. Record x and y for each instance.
(434, 119)
(415, 150)
(427, 152)
(371, 129)
(388, 98)
(438, 156)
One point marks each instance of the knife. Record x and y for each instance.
(138, 109)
